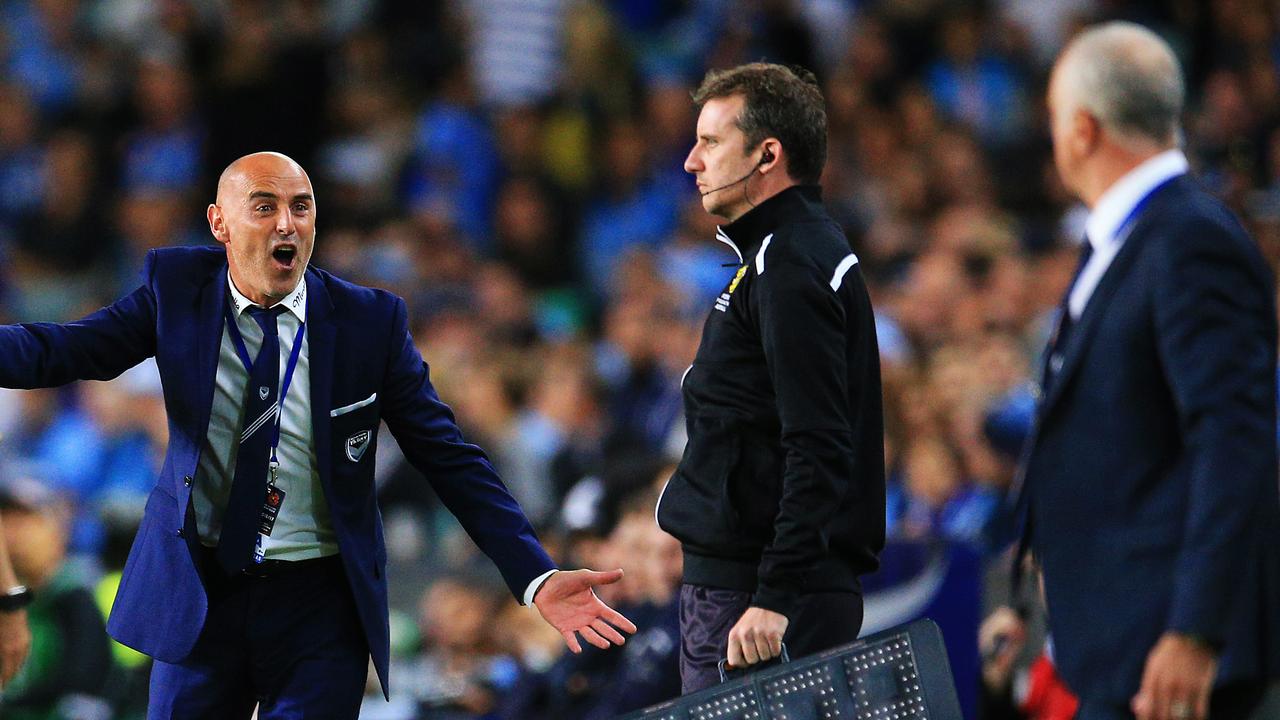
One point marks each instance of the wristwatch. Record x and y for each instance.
(16, 598)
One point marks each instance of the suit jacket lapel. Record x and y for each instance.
(1087, 325)
(1072, 354)
(209, 320)
(321, 333)
(210, 298)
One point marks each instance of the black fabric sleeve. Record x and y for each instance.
(803, 332)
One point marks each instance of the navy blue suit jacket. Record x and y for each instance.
(1151, 473)
(358, 344)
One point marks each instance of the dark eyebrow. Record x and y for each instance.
(268, 195)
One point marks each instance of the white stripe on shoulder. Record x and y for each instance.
(764, 245)
(837, 278)
(724, 238)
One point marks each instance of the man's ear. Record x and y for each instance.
(217, 225)
(1086, 132)
(770, 151)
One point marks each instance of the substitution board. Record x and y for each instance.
(899, 674)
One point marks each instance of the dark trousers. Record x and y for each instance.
(290, 643)
(822, 621)
(1244, 701)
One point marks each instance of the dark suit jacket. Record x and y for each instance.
(1151, 474)
(359, 345)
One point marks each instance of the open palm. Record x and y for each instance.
(567, 602)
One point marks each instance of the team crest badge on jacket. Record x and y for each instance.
(357, 444)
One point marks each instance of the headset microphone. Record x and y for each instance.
(742, 179)
(766, 157)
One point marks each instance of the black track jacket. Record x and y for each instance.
(781, 488)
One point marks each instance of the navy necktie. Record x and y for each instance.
(1065, 322)
(249, 488)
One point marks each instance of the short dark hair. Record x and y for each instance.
(778, 101)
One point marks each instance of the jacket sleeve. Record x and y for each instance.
(459, 472)
(803, 332)
(1215, 324)
(97, 347)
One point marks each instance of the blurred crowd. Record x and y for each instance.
(513, 168)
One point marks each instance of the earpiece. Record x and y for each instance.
(765, 158)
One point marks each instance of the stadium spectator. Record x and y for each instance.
(459, 675)
(69, 667)
(648, 671)
(599, 686)
(634, 208)
(1011, 693)
(15, 635)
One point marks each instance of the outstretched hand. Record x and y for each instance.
(567, 602)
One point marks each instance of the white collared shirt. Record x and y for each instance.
(1107, 225)
(303, 529)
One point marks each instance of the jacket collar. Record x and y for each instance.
(1112, 212)
(745, 234)
(1174, 190)
(295, 302)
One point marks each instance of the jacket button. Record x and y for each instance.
(181, 533)
(187, 481)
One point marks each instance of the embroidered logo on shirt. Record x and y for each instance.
(357, 444)
(722, 302)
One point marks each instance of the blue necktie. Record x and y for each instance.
(1067, 324)
(249, 488)
(1053, 357)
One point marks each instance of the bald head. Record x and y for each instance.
(244, 170)
(265, 215)
(1128, 78)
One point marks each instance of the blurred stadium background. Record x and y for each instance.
(513, 169)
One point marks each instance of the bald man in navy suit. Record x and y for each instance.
(258, 573)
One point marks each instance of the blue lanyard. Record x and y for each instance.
(1126, 227)
(243, 352)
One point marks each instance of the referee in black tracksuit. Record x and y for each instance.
(779, 500)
